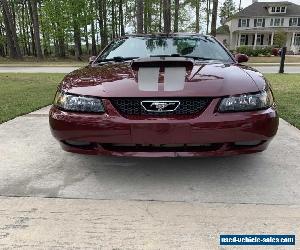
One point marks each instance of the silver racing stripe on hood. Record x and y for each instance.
(174, 78)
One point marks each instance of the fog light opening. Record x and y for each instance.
(247, 143)
(79, 144)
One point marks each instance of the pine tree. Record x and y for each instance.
(227, 10)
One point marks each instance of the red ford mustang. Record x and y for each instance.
(164, 95)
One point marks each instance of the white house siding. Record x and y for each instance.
(222, 37)
(235, 30)
(266, 31)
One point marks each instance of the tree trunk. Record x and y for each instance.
(145, 16)
(105, 37)
(149, 21)
(197, 30)
(11, 33)
(140, 15)
(21, 29)
(61, 47)
(121, 18)
(94, 47)
(46, 46)
(2, 48)
(13, 11)
(27, 38)
(214, 16)
(30, 18)
(207, 15)
(86, 38)
(160, 16)
(77, 37)
(36, 28)
(176, 13)
(56, 48)
(113, 18)
(102, 23)
(167, 15)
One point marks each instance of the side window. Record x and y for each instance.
(244, 22)
(293, 21)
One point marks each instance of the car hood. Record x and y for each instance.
(204, 79)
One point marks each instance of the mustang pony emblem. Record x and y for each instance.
(160, 106)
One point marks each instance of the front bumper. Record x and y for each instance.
(216, 134)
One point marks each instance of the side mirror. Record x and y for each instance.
(92, 59)
(241, 58)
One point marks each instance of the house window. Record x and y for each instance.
(244, 23)
(259, 39)
(293, 21)
(276, 21)
(243, 40)
(278, 9)
(259, 22)
(297, 39)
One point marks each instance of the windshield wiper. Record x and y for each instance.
(178, 55)
(172, 55)
(201, 58)
(116, 59)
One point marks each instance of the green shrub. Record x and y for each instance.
(245, 50)
(280, 38)
(259, 51)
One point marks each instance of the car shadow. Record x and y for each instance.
(165, 179)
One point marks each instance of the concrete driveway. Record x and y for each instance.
(137, 203)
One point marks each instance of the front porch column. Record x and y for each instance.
(255, 40)
(293, 39)
(239, 39)
(272, 38)
(231, 41)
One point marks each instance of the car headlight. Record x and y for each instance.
(247, 102)
(78, 103)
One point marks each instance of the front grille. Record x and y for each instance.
(161, 147)
(188, 105)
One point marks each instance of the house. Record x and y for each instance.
(257, 24)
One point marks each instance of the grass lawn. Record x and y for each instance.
(286, 89)
(23, 93)
(51, 61)
(273, 59)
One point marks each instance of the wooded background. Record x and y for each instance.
(73, 28)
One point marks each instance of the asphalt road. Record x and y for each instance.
(136, 203)
(7, 69)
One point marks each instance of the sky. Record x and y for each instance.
(246, 3)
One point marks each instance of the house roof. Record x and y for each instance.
(260, 9)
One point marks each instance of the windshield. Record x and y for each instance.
(196, 47)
